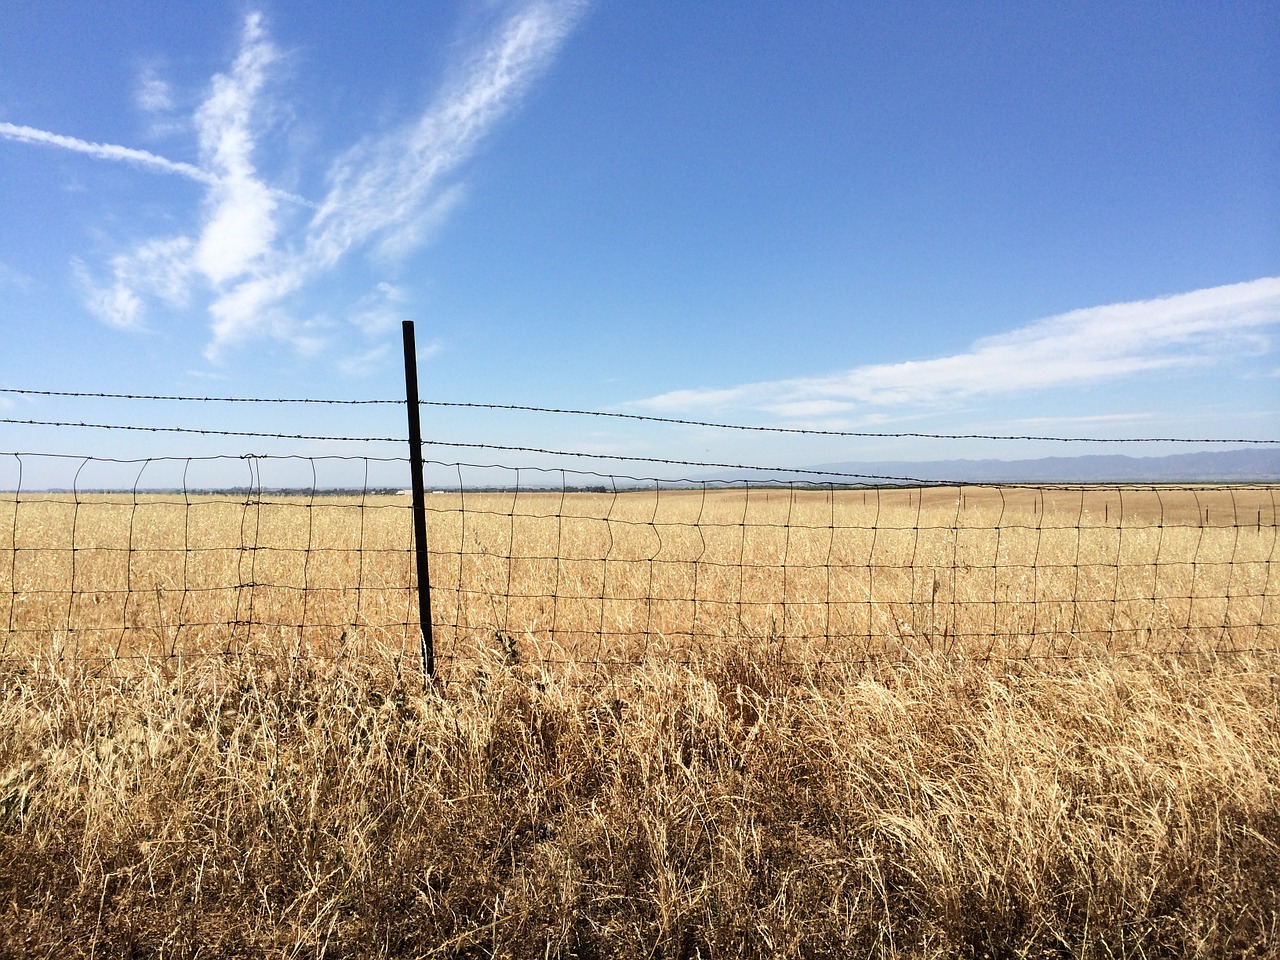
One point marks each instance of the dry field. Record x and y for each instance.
(827, 576)
(992, 722)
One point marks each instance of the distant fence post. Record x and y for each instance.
(419, 500)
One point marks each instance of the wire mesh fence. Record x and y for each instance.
(313, 557)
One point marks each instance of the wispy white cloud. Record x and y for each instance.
(1096, 418)
(159, 268)
(240, 223)
(379, 312)
(387, 192)
(14, 278)
(1090, 345)
(382, 187)
(152, 94)
(809, 408)
(377, 358)
(384, 195)
(363, 364)
(115, 305)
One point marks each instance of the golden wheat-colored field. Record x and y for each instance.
(992, 722)
(837, 575)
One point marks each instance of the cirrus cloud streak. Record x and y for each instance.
(106, 151)
(1085, 346)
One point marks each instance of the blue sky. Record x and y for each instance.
(943, 218)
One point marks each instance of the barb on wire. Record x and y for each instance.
(679, 463)
(207, 458)
(201, 432)
(147, 396)
(804, 431)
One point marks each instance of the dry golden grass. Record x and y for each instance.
(847, 575)
(725, 769)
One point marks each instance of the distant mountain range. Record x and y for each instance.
(1239, 465)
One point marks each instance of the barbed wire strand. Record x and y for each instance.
(197, 431)
(184, 399)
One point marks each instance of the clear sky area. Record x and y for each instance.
(951, 218)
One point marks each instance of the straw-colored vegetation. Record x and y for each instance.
(998, 723)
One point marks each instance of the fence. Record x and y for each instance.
(313, 556)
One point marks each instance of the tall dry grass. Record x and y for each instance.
(747, 794)
(1105, 807)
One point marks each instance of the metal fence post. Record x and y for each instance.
(419, 500)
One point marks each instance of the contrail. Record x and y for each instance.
(107, 151)
(113, 151)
